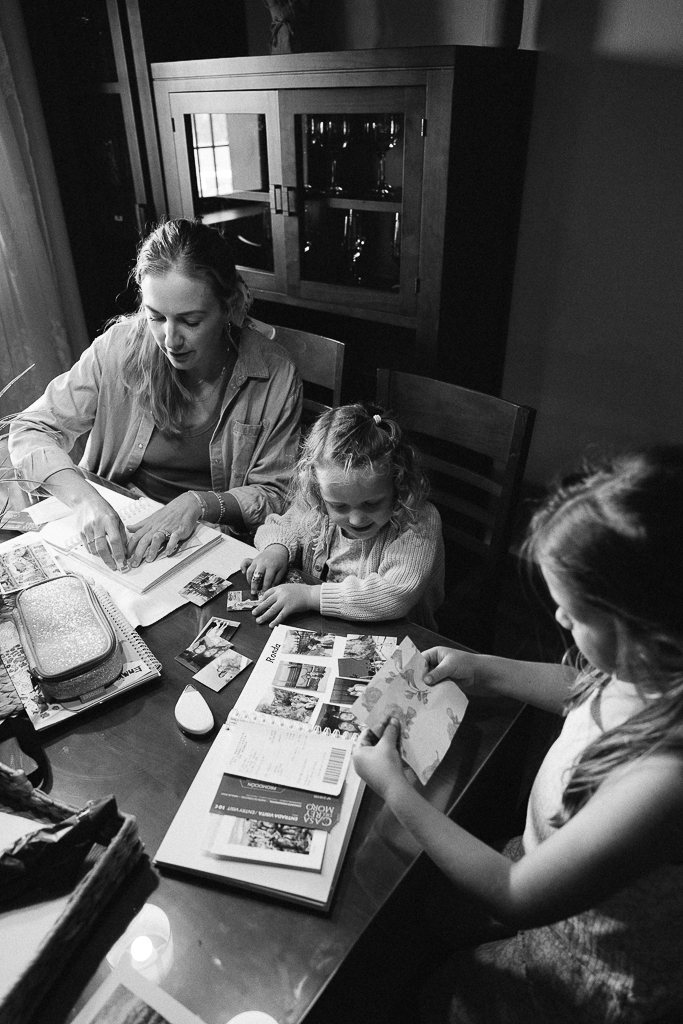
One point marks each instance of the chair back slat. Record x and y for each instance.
(474, 449)
(319, 360)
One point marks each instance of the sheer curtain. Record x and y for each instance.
(41, 318)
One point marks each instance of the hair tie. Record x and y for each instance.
(377, 418)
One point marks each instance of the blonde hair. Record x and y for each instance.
(190, 248)
(361, 436)
(613, 534)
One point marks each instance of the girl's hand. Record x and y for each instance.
(163, 531)
(102, 532)
(280, 602)
(377, 760)
(446, 663)
(267, 569)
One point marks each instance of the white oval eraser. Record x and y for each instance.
(252, 1017)
(192, 713)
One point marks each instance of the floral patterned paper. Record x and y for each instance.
(429, 715)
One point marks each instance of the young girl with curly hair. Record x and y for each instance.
(359, 522)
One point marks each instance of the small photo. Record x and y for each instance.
(301, 676)
(214, 639)
(298, 707)
(204, 587)
(373, 649)
(306, 642)
(334, 717)
(239, 600)
(223, 669)
(354, 668)
(346, 691)
(26, 564)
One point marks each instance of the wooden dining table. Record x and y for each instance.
(233, 950)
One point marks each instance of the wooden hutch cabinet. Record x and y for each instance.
(372, 185)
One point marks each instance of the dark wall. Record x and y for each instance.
(72, 53)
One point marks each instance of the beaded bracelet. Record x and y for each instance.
(202, 504)
(223, 508)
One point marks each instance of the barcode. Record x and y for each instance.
(334, 766)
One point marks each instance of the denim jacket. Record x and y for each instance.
(252, 450)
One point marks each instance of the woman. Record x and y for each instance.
(183, 400)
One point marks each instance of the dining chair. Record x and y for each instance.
(474, 449)
(319, 360)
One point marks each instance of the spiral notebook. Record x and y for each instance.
(276, 733)
(286, 752)
(139, 666)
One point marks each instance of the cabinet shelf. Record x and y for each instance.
(441, 129)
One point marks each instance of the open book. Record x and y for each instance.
(275, 761)
(63, 536)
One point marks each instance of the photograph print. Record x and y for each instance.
(298, 707)
(212, 640)
(346, 691)
(223, 669)
(301, 676)
(341, 719)
(307, 642)
(373, 649)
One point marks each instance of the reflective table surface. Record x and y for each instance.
(230, 950)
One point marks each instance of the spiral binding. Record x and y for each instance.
(125, 629)
(239, 715)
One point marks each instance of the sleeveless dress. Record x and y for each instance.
(621, 961)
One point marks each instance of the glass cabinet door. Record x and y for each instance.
(355, 156)
(228, 159)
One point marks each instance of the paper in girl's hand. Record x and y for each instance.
(223, 669)
(238, 600)
(429, 715)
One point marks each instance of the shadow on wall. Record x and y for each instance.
(597, 312)
(378, 24)
(625, 28)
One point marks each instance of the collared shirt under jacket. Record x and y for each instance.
(252, 450)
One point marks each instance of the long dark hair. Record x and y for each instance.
(190, 248)
(613, 534)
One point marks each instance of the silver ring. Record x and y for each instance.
(257, 576)
(164, 533)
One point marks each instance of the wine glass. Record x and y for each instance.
(353, 244)
(338, 133)
(383, 133)
(396, 251)
(317, 149)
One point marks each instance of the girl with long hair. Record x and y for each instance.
(594, 889)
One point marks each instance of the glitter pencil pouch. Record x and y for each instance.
(70, 645)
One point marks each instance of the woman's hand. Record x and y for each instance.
(280, 602)
(377, 760)
(163, 531)
(447, 663)
(267, 569)
(102, 531)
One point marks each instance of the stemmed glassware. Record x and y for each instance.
(396, 251)
(383, 132)
(353, 244)
(338, 133)
(317, 153)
